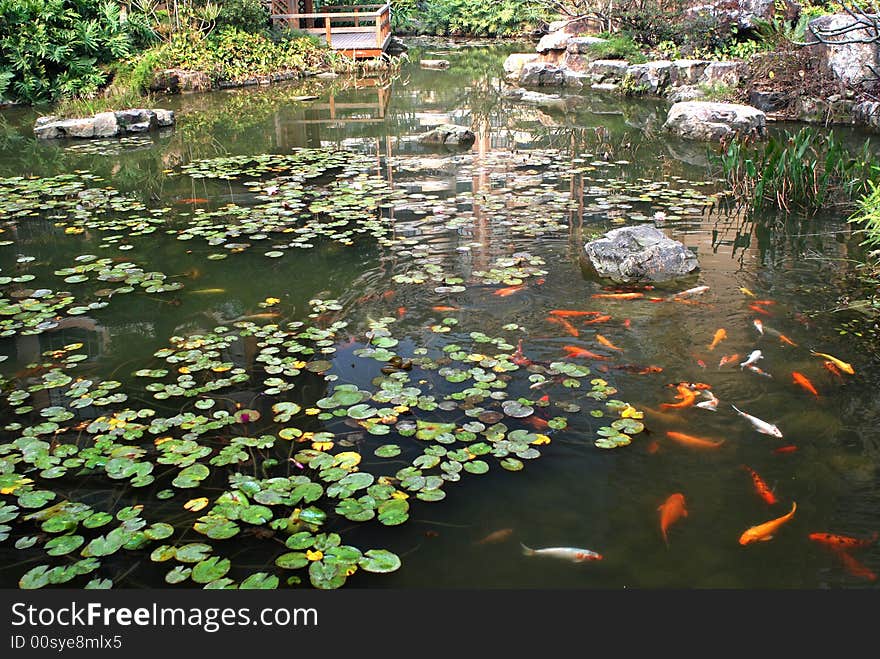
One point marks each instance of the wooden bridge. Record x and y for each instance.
(357, 31)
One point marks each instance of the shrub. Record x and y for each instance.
(617, 46)
(60, 48)
(245, 15)
(500, 18)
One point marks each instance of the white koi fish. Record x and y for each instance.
(755, 369)
(711, 404)
(692, 291)
(753, 357)
(572, 554)
(758, 424)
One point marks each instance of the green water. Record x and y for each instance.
(602, 163)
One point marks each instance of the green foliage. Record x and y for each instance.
(718, 91)
(806, 170)
(867, 214)
(59, 48)
(651, 25)
(503, 18)
(617, 46)
(245, 15)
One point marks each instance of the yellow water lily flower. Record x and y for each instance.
(540, 440)
(399, 494)
(322, 446)
(271, 301)
(21, 482)
(312, 411)
(314, 555)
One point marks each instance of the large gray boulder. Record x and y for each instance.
(851, 61)
(541, 74)
(583, 45)
(104, 124)
(653, 77)
(449, 135)
(640, 253)
(742, 13)
(604, 70)
(516, 61)
(553, 41)
(708, 121)
(722, 73)
(867, 113)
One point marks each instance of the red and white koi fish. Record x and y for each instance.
(573, 554)
(758, 326)
(759, 371)
(752, 359)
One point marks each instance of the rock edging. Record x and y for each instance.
(104, 124)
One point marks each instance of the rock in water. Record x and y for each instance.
(434, 63)
(707, 121)
(640, 253)
(449, 135)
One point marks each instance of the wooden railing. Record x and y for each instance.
(353, 19)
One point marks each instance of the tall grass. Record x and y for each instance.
(804, 171)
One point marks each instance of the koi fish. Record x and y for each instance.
(258, 316)
(639, 370)
(605, 342)
(671, 511)
(720, 335)
(765, 302)
(627, 323)
(692, 291)
(401, 312)
(575, 351)
(193, 200)
(753, 358)
(441, 308)
(761, 487)
(685, 394)
(653, 446)
(572, 554)
(496, 536)
(619, 296)
(791, 448)
(746, 291)
(701, 363)
(756, 308)
(842, 365)
(598, 319)
(842, 542)
(758, 424)
(711, 404)
(832, 369)
(569, 313)
(855, 568)
(758, 326)
(571, 329)
(387, 295)
(510, 290)
(536, 422)
(518, 358)
(727, 359)
(787, 340)
(208, 291)
(764, 532)
(693, 442)
(802, 380)
(759, 371)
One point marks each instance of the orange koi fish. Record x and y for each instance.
(605, 342)
(764, 532)
(787, 340)
(832, 369)
(653, 446)
(756, 308)
(803, 381)
(571, 329)
(518, 358)
(627, 323)
(598, 319)
(842, 542)
(619, 296)
(638, 369)
(401, 312)
(764, 302)
(685, 394)
(761, 487)
(193, 200)
(510, 290)
(536, 422)
(693, 442)
(855, 568)
(727, 359)
(575, 351)
(701, 363)
(387, 295)
(720, 335)
(569, 313)
(496, 536)
(671, 511)
(442, 308)
(790, 448)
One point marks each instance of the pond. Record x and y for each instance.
(286, 344)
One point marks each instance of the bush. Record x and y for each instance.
(60, 48)
(477, 18)
(617, 46)
(245, 15)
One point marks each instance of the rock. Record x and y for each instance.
(540, 74)
(579, 25)
(722, 73)
(136, 117)
(515, 62)
(848, 62)
(604, 86)
(434, 63)
(47, 119)
(582, 45)
(139, 127)
(687, 71)
(537, 98)
(639, 253)
(742, 13)
(576, 79)
(684, 93)
(608, 69)
(653, 76)
(867, 113)
(553, 41)
(449, 135)
(174, 81)
(768, 101)
(707, 121)
(165, 117)
(105, 125)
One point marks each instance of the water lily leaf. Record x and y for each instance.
(301, 540)
(393, 511)
(292, 560)
(159, 531)
(216, 527)
(179, 574)
(192, 552)
(259, 581)
(326, 575)
(362, 411)
(210, 569)
(379, 561)
(99, 584)
(476, 467)
(511, 464)
(256, 515)
(357, 510)
(64, 544)
(191, 476)
(385, 451)
(629, 426)
(34, 578)
(307, 492)
(431, 495)
(516, 409)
